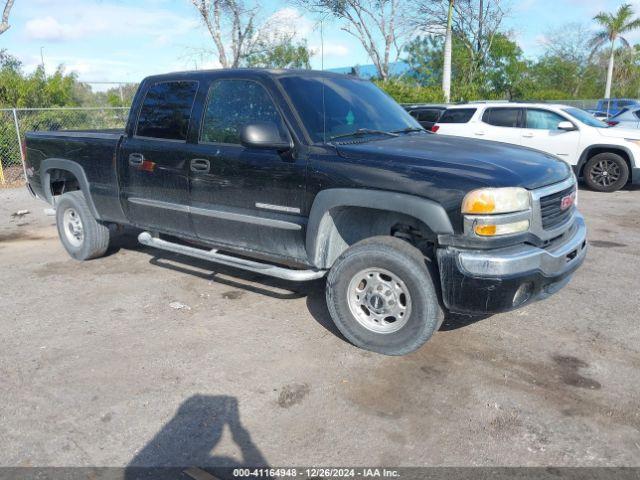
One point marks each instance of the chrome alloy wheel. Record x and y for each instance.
(379, 300)
(73, 229)
(605, 173)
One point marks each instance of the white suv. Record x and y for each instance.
(607, 158)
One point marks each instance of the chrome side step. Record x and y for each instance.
(148, 239)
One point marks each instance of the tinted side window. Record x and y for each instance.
(428, 115)
(502, 117)
(457, 115)
(637, 113)
(166, 110)
(543, 120)
(233, 104)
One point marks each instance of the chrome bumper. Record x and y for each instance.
(522, 259)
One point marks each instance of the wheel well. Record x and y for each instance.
(598, 150)
(342, 227)
(62, 181)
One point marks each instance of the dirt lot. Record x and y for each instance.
(97, 368)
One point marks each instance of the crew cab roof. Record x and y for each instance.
(255, 73)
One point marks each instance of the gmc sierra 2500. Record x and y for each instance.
(298, 174)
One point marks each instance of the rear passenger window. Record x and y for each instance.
(233, 104)
(166, 110)
(428, 115)
(502, 117)
(457, 115)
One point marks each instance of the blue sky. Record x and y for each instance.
(124, 40)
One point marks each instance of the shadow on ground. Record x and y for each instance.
(314, 291)
(190, 439)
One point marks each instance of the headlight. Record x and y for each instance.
(487, 201)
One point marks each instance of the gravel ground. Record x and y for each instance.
(99, 367)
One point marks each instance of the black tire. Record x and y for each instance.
(94, 239)
(408, 265)
(606, 172)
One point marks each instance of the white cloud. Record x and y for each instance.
(331, 50)
(97, 19)
(48, 28)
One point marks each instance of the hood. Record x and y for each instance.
(620, 132)
(486, 163)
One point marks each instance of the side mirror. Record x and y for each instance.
(264, 135)
(566, 126)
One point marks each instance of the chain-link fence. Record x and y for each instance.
(14, 123)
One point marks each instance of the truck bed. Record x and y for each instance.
(91, 150)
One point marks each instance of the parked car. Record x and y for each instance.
(627, 118)
(302, 174)
(426, 115)
(613, 106)
(607, 158)
(603, 116)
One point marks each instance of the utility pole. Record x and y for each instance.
(446, 70)
(42, 61)
(480, 25)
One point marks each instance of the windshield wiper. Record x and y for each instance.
(409, 130)
(364, 131)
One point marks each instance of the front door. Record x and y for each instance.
(542, 133)
(154, 161)
(246, 198)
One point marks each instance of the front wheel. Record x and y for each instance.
(82, 236)
(606, 172)
(382, 298)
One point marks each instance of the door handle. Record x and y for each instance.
(200, 165)
(136, 159)
(479, 133)
(527, 135)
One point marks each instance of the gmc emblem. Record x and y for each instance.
(567, 201)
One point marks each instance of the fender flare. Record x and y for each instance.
(431, 213)
(63, 164)
(585, 155)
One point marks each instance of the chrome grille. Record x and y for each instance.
(551, 211)
(548, 232)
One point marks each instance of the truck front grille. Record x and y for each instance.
(551, 211)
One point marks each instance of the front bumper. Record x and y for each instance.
(493, 281)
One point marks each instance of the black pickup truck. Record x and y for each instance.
(302, 174)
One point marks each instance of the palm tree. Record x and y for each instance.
(614, 25)
(446, 70)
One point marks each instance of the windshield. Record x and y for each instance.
(585, 117)
(350, 105)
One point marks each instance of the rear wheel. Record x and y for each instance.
(82, 236)
(382, 298)
(606, 172)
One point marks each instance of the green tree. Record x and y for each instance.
(18, 89)
(285, 54)
(614, 26)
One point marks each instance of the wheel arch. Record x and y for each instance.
(50, 168)
(340, 217)
(593, 150)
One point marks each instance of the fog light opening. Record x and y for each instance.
(523, 294)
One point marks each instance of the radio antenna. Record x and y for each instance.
(324, 111)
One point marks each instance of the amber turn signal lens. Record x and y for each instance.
(486, 230)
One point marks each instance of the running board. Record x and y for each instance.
(148, 239)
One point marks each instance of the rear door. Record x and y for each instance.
(501, 124)
(154, 161)
(542, 133)
(246, 198)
